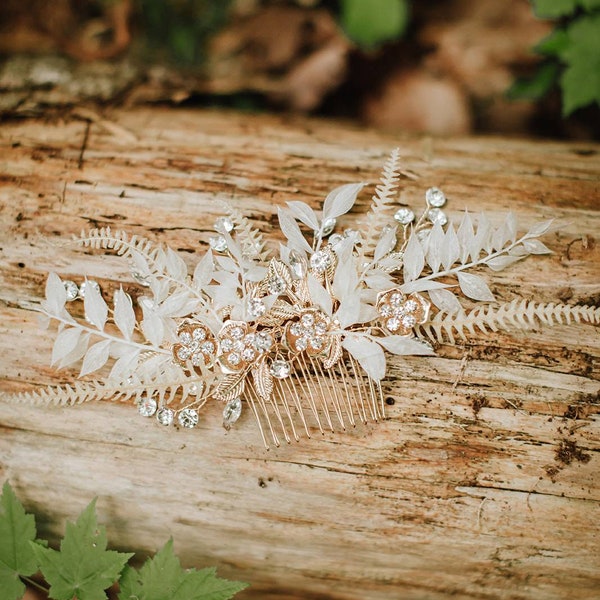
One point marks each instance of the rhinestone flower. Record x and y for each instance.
(241, 346)
(196, 343)
(399, 314)
(309, 333)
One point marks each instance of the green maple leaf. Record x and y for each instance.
(162, 578)
(17, 530)
(83, 568)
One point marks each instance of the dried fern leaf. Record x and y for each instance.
(518, 314)
(250, 238)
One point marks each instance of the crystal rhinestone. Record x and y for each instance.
(308, 320)
(207, 347)
(437, 216)
(263, 341)
(435, 197)
(232, 412)
(188, 418)
(84, 285)
(183, 353)
(393, 324)
(321, 328)
(301, 344)
(327, 226)
(320, 261)
(234, 359)
(256, 308)
(248, 354)
(194, 389)
(197, 359)
(276, 285)
(71, 289)
(218, 243)
(410, 306)
(199, 334)
(385, 310)
(296, 329)
(404, 216)
(226, 345)
(316, 343)
(396, 299)
(185, 338)
(165, 416)
(147, 407)
(408, 321)
(280, 369)
(223, 225)
(239, 345)
(236, 333)
(298, 264)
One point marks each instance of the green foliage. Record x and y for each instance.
(371, 23)
(83, 568)
(572, 53)
(162, 578)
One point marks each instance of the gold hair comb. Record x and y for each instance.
(300, 335)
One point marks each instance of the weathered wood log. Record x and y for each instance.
(483, 480)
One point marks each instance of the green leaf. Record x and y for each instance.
(554, 44)
(17, 530)
(535, 87)
(590, 5)
(162, 578)
(580, 82)
(552, 9)
(83, 568)
(371, 23)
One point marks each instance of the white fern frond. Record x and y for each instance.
(249, 238)
(381, 205)
(517, 314)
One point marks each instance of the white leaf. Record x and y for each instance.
(124, 317)
(421, 285)
(176, 266)
(385, 244)
(414, 259)
(233, 247)
(474, 287)
(348, 312)
(345, 278)
(226, 263)
(77, 353)
(536, 247)
(124, 366)
(255, 273)
(501, 262)
(369, 355)
(398, 344)
(445, 300)
(450, 249)
(481, 239)
(95, 357)
(539, 228)
(291, 231)
(56, 294)
(140, 265)
(65, 342)
(434, 247)
(379, 281)
(153, 328)
(510, 227)
(95, 308)
(340, 200)
(178, 305)
(518, 250)
(465, 236)
(304, 213)
(319, 295)
(367, 313)
(204, 271)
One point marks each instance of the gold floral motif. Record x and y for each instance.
(400, 314)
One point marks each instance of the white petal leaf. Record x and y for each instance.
(95, 357)
(348, 312)
(176, 266)
(369, 355)
(56, 294)
(304, 213)
(445, 300)
(319, 295)
(65, 342)
(422, 285)
(465, 236)
(414, 259)
(153, 328)
(386, 244)
(379, 281)
(397, 344)
(124, 316)
(450, 249)
(536, 247)
(539, 228)
(474, 287)
(204, 271)
(434, 247)
(77, 353)
(501, 262)
(124, 366)
(340, 200)
(345, 278)
(96, 310)
(291, 230)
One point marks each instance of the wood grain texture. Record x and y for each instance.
(483, 480)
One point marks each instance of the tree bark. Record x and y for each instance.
(482, 482)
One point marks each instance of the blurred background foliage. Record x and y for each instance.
(441, 66)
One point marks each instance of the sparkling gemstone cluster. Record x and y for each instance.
(399, 313)
(309, 333)
(241, 345)
(196, 344)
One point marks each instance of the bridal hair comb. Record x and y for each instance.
(298, 336)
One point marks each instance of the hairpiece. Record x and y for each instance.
(298, 336)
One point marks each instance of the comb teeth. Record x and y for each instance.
(311, 400)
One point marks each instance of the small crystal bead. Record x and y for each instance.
(276, 285)
(234, 359)
(435, 197)
(321, 328)
(385, 310)
(280, 369)
(248, 354)
(84, 285)
(404, 216)
(256, 308)
(165, 416)
(71, 289)
(296, 329)
(183, 353)
(408, 321)
(393, 324)
(396, 299)
(308, 319)
(237, 333)
(199, 334)
(223, 225)
(232, 412)
(226, 345)
(316, 343)
(188, 418)
(301, 344)
(327, 226)
(218, 243)
(194, 389)
(298, 264)
(263, 341)
(207, 347)
(410, 306)
(320, 261)
(437, 216)
(185, 338)
(147, 407)
(197, 359)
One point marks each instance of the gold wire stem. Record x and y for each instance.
(333, 392)
(347, 400)
(277, 389)
(296, 399)
(322, 398)
(258, 421)
(260, 401)
(308, 391)
(362, 390)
